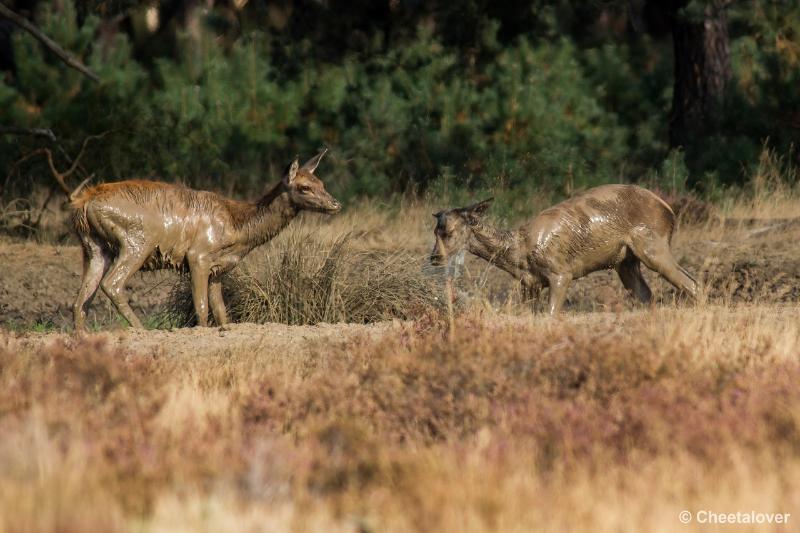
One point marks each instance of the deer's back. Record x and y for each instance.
(171, 219)
(147, 195)
(591, 229)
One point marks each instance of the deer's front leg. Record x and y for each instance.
(217, 303)
(200, 275)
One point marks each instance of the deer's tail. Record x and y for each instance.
(72, 196)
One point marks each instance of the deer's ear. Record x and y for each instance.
(475, 212)
(291, 172)
(312, 164)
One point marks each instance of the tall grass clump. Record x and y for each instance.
(302, 279)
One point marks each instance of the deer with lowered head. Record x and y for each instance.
(611, 226)
(137, 225)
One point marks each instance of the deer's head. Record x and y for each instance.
(306, 191)
(453, 228)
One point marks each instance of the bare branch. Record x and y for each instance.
(60, 176)
(62, 54)
(56, 174)
(77, 159)
(36, 132)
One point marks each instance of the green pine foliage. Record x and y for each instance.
(547, 112)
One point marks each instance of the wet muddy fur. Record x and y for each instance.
(144, 225)
(612, 226)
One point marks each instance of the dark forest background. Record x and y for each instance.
(409, 95)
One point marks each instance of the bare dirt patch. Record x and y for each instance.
(281, 342)
(38, 284)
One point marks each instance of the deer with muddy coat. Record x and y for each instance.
(611, 226)
(137, 225)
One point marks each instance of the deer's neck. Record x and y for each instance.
(272, 213)
(499, 247)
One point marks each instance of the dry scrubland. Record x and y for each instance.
(611, 418)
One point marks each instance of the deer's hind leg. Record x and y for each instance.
(95, 264)
(558, 283)
(130, 259)
(630, 273)
(654, 252)
(530, 289)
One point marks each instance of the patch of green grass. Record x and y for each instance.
(166, 319)
(36, 326)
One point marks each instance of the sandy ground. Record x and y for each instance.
(38, 284)
(276, 339)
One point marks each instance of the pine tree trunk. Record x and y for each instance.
(702, 69)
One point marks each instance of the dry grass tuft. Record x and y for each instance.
(301, 278)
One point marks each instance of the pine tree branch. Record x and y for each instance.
(51, 45)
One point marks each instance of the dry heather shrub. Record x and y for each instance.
(49, 485)
(300, 279)
(508, 425)
(548, 401)
(108, 419)
(570, 386)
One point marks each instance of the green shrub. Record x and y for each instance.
(549, 111)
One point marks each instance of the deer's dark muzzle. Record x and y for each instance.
(438, 254)
(437, 259)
